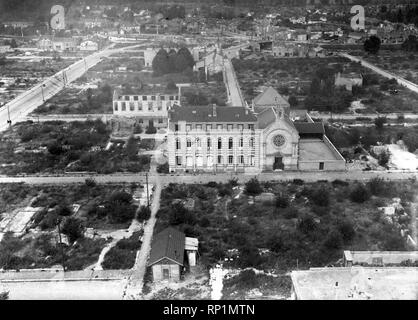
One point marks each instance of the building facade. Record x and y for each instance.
(149, 107)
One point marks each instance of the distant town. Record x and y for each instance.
(208, 150)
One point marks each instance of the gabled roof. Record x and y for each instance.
(168, 244)
(310, 127)
(269, 97)
(211, 114)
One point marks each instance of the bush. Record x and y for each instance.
(320, 197)
(360, 194)
(253, 187)
(179, 214)
(380, 122)
(163, 168)
(346, 229)
(282, 200)
(151, 130)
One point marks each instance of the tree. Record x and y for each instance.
(4, 295)
(73, 229)
(346, 228)
(383, 158)
(293, 101)
(160, 63)
(372, 45)
(55, 148)
(143, 214)
(185, 58)
(90, 182)
(253, 187)
(411, 140)
(171, 85)
(379, 122)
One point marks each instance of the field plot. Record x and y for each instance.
(53, 147)
(311, 82)
(92, 217)
(277, 227)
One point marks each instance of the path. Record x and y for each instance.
(29, 100)
(410, 85)
(133, 290)
(164, 179)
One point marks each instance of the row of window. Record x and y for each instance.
(145, 98)
(219, 126)
(198, 161)
(198, 143)
(141, 107)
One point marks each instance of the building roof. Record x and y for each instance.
(147, 91)
(211, 114)
(310, 127)
(269, 97)
(386, 257)
(168, 244)
(356, 283)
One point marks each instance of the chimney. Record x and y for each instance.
(214, 110)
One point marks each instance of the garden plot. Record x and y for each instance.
(17, 221)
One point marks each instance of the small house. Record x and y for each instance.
(167, 255)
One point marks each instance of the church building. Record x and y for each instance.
(240, 139)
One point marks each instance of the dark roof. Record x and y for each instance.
(169, 244)
(309, 127)
(207, 114)
(147, 91)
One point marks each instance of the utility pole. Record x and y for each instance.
(146, 177)
(62, 249)
(42, 89)
(8, 115)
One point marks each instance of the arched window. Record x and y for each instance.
(251, 142)
(220, 143)
(188, 143)
(178, 144)
(209, 143)
(198, 143)
(230, 143)
(241, 142)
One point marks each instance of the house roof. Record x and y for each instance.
(356, 283)
(211, 114)
(168, 244)
(269, 97)
(310, 127)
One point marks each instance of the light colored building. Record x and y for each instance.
(89, 46)
(355, 283)
(379, 258)
(348, 80)
(212, 139)
(150, 107)
(57, 44)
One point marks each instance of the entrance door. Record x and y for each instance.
(278, 163)
(166, 273)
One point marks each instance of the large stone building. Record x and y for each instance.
(211, 138)
(149, 106)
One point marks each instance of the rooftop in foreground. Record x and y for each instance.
(356, 283)
(316, 150)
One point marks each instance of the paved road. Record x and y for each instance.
(235, 98)
(204, 178)
(410, 85)
(28, 101)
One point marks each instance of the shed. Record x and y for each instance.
(167, 255)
